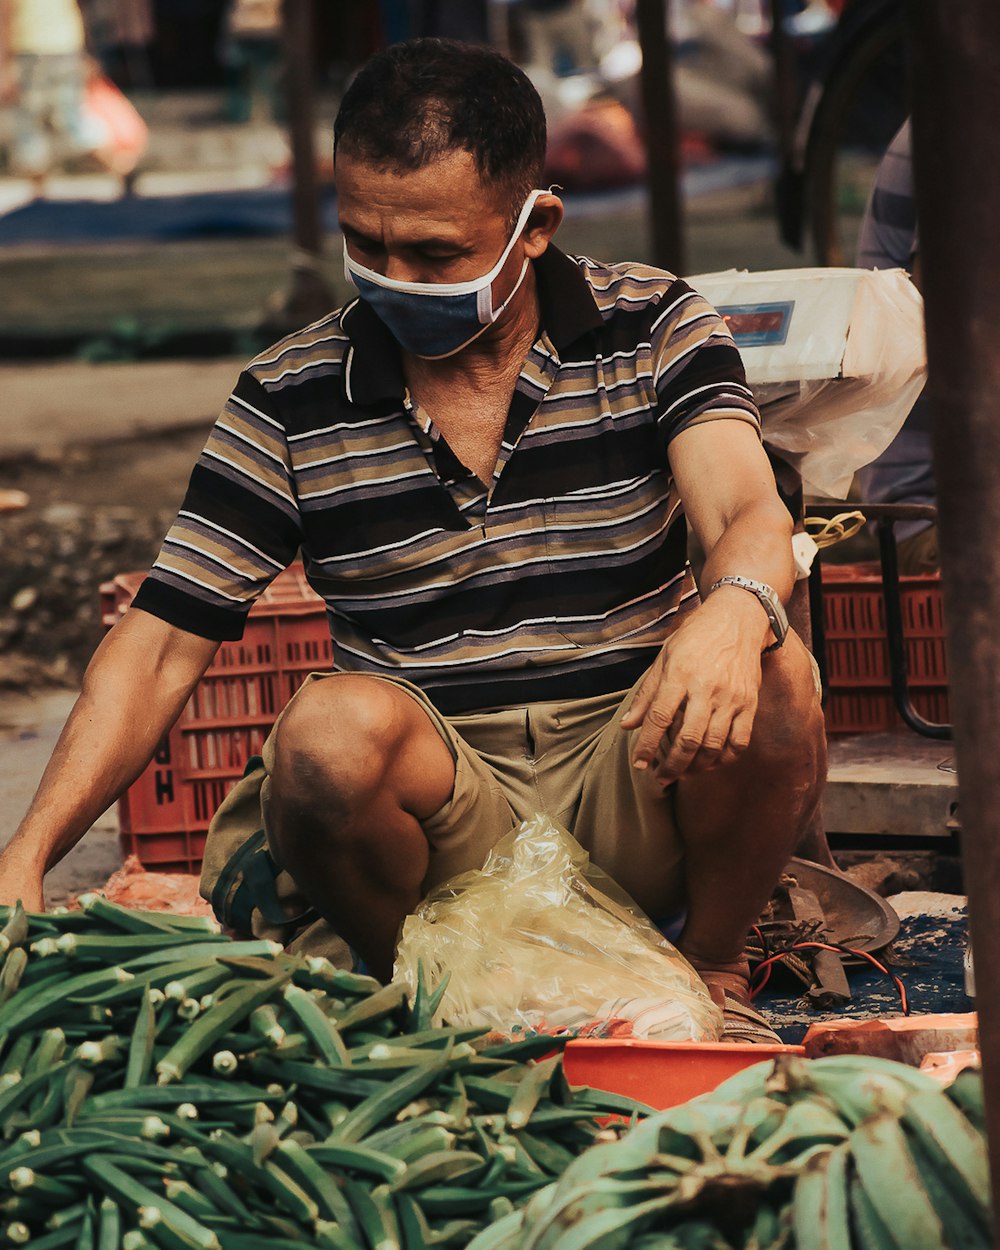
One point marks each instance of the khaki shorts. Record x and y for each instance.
(569, 761)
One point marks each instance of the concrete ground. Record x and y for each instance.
(51, 407)
(29, 726)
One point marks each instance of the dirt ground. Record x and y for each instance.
(94, 512)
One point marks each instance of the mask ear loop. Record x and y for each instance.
(498, 312)
(485, 311)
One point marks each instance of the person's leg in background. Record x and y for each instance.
(904, 473)
(31, 147)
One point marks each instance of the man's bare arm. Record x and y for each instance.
(134, 689)
(731, 500)
(697, 706)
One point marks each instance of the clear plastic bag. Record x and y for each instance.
(541, 939)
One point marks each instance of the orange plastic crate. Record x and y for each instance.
(164, 815)
(661, 1074)
(857, 649)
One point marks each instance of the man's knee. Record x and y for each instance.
(789, 728)
(337, 734)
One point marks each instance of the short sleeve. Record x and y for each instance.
(697, 371)
(237, 528)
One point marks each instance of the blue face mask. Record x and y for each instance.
(437, 319)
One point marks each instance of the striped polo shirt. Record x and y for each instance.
(888, 235)
(559, 578)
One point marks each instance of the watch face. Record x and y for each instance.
(779, 621)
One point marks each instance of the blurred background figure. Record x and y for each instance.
(251, 52)
(904, 473)
(723, 74)
(120, 33)
(562, 36)
(43, 75)
(585, 60)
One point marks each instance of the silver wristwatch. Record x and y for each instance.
(769, 601)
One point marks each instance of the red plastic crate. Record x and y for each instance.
(164, 815)
(857, 650)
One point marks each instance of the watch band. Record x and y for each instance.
(767, 596)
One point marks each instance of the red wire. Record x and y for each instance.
(767, 964)
(764, 980)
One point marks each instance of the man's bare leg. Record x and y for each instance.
(740, 823)
(358, 765)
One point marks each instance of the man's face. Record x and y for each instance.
(435, 224)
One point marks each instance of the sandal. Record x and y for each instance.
(729, 988)
(743, 1023)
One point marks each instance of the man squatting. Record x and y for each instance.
(488, 460)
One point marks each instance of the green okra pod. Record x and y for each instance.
(378, 1107)
(321, 1030)
(211, 1027)
(127, 1191)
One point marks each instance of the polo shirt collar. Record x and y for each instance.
(567, 304)
(374, 370)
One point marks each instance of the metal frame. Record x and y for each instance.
(885, 517)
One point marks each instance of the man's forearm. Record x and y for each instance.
(133, 691)
(756, 544)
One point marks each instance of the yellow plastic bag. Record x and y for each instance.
(541, 939)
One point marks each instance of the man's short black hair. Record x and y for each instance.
(415, 102)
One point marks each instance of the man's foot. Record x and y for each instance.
(729, 988)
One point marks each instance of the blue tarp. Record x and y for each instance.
(929, 953)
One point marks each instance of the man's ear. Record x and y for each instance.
(543, 221)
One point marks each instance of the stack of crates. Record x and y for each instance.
(164, 816)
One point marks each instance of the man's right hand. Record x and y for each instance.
(20, 882)
(134, 689)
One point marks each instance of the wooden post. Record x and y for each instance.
(661, 131)
(956, 62)
(785, 82)
(307, 296)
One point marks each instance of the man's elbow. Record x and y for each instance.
(146, 651)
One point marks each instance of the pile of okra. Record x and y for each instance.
(164, 1086)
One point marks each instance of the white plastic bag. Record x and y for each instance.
(540, 939)
(835, 358)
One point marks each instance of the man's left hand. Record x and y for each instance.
(695, 710)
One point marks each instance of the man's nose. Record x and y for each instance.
(398, 269)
